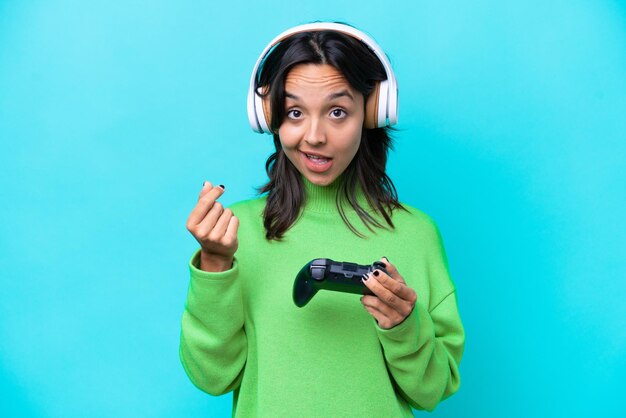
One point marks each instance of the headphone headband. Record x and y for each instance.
(387, 116)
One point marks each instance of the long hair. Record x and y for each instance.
(286, 194)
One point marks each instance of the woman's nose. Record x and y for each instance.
(315, 134)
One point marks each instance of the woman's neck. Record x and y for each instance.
(324, 198)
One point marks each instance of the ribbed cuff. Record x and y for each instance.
(407, 330)
(196, 273)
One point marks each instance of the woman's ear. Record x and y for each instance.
(370, 120)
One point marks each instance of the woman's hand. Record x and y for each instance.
(215, 229)
(394, 300)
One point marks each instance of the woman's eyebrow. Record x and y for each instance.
(342, 93)
(332, 96)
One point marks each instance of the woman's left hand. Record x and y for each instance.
(393, 300)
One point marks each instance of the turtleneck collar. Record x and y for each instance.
(324, 198)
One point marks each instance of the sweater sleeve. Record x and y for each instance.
(424, 351)
(213, 344)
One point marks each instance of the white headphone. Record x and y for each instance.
(381, 106)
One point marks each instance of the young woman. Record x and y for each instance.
(328, 196)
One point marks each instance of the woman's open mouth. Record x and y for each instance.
(316, 162)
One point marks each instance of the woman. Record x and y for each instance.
(328, 196)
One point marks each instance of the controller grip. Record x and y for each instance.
(303, 289)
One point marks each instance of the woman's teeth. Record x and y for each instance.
(317, 159)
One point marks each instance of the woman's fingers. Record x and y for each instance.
(206, 187)
(207, 199)
(393, 292)
(392, 270)
(206, 227)
(385, 316)
(222, 223)
(378, 316)
(393, 298)
(214, 227)
(231, 231)
(376, 303)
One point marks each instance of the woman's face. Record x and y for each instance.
(321, 131)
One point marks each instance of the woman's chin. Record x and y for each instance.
(319, 180)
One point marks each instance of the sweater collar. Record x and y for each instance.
(324, 198)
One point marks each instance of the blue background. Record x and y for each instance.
(511, 136)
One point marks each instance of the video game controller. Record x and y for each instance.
(324, 273)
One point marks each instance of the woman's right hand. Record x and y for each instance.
(215, 229)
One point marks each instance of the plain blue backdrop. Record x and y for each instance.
(511, 136)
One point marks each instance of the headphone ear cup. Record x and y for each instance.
(267, 112)
(376, 106)
(371, 108)
(383, 102)
(262, 109)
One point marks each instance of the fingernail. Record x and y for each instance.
(203, 184)
(365, 277)
(376, 273)
(223, 187)
(385, 257)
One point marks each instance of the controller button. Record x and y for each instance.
(317, 272)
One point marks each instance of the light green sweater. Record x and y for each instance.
(241, 330)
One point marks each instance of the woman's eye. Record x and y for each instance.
(294, 113)
(338, 113)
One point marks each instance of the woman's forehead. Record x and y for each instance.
(315, 77)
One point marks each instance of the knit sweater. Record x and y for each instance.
(242, 332)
